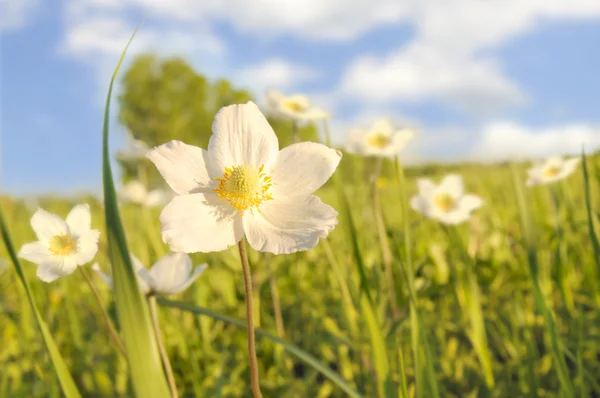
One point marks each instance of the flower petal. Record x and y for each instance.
(55, 268)
(427, 188)
(35, 252)
(568, 167)
(383, 126)
(200, 223)
(420, 204)
(289, 225)
(469, 203)
(399, 139)
(133, 192)
(454, 217)
(143, 277)
(312, 114)
(87, 246)
(184, 167)
(301, 169)
(156, 198)
(170, 271)
(105, 277)
(357, 142)
(452, 184)
(46, 225)
(197, 271)
(79, 220)
(241, 135)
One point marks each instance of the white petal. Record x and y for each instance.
(303, 168)
(170, 271)
(46, 225)
(35, 252)
(427, 188)
(313, 114)
(241, 135)
(79, 220)
(184, 167)
(273, 99)
(143, 277)
(452, 184)
(454, 217)
(191, 278)
(289, 225)
(383, 126)
(420, 204)
(56, 268)
(105, 277)
(87, 246)
(133, 192)
(156, 198)
(469, 203)
(357, 142)
(399, 139)
(569, 167)
(200, 223)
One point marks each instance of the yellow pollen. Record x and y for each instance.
(244, 186)
(294, 106)
(378, 140)
(62, 245)
(551, 171)
(444, 202)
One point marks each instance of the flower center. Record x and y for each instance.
(244, 186)
(294, 106)
(378, 140)
(444, 202)
(62, 245)
(551, 171)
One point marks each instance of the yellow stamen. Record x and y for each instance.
(551, 171)
(294, 106)
(62, 245)
(244, 186)
(378, 140)
(444, 202)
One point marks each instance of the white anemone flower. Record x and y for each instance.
(62, 245)
(382, 139)
(136, 192)
(296, 107)
(553, 169)
(172, 274)
(135, 150)
(243, 185)
(446, 202)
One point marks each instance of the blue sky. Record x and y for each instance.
(480, 81)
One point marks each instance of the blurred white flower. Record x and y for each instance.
(4, 264)
(296, 107)
(382, 139)
(243, 185)
(171, 274)
(446, 202)
(136, 192)
(553, 169)
(62, 246)
(135, 150)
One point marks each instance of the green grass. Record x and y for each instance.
(535, 350)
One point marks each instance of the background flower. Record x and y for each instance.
(295, 107)
(382, 139)
(553, 169)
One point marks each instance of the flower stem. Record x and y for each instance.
(161, 347)
(250, 320)
(295, 133)
(111, 328)
(275, 296)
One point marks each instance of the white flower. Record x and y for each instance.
(445, 202)
(552, 170)
(136, 192)
(62, 246)
(171, 274)
(135, 150)
(243, 185)
(382, 139)
(295, 107)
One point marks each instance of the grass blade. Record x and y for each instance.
(291, 348)
(593, 237)
(134, 317)
(64, 377)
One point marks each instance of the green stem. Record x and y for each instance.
(112, 331)
(250, 320)
(161, 347)
(275, 297)
(295, 133)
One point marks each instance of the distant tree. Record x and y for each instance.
(164, 99)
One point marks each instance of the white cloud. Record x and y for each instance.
(15, 14)
(275, 73)
(507, 140)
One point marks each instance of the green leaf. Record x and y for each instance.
(291, 348)
(595, 272)
(64, 377)
(134, 317)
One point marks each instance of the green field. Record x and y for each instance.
(323, 312)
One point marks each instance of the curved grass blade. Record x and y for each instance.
(595, 272)
(134, 317)
(291, 348)
(64, 377)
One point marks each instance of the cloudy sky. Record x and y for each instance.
(481, 79)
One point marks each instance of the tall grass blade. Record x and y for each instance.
(540, 301)
(145, 365)
(64, 377)
(595, 272)
(291, 348)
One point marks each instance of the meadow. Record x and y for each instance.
(390, 304)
